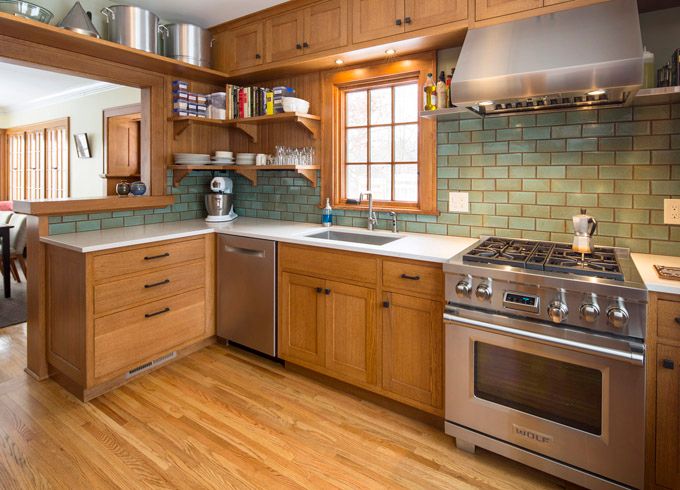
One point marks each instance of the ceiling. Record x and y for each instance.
(24, 87)
(210, 12)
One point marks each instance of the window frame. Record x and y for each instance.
(336, 84)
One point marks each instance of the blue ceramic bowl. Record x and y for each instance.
(138, 188)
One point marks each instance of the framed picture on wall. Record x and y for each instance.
(82, 145)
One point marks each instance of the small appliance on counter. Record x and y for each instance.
(584, 229)
(220, 203)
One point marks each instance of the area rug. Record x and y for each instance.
(13, 310)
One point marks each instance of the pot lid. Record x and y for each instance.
(79, 21)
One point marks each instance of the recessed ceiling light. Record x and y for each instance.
(597, 92)
(486, 102)
(390, 51)
(339, 61)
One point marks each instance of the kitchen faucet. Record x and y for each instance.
(372, 220)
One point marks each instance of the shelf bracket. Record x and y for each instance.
(249, 129)
(309, 174)
(248, 173)
(313, 126)
(180, 126)
(178, 175)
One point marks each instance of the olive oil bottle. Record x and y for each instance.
(430, 94)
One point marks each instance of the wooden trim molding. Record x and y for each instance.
(57, 207)
(333, 84)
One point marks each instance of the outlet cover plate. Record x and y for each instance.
(459, 202)
(671, 211)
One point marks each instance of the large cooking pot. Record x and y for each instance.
(186, 42)
(132, 26)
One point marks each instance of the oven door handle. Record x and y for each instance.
(631, 356)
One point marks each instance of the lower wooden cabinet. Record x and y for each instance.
(113, 313)
(336, 325)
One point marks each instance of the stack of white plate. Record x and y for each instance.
(192, 159)
(223, 158)
(245, 159)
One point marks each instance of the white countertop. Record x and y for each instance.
(645, 265)
(417, 246)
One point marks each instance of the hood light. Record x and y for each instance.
(390, 51)
(485, 103)
(597, 92)
(339, 61)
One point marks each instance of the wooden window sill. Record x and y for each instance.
(52, 207)
(383, 209)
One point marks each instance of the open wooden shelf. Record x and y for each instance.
(38, 32)
(309, 172)
(250, 125)
(51, 207)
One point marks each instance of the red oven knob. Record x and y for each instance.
(558, 311)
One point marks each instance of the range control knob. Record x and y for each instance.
(590, 312)
(617, 316)
(483, 291)
(558, 311)
(463, 288)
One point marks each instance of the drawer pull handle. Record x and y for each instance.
(152, 257)
(164, 310)
(412, 278)
(668, 364)
(677, 320)
(147, 286)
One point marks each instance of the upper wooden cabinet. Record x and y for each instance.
(122, 145)
(420, 15)
(239, 48)
(375, 19)
(313, 29)
(488, 9)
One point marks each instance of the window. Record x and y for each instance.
(377, 141)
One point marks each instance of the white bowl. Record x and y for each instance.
(224, 154)
(293, 104)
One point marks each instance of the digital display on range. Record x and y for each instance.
(521, 302)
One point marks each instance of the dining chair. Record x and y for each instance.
(17, 244)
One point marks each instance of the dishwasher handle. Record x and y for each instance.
(244, 251)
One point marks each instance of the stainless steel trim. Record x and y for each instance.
(632, 356)
(551, 466)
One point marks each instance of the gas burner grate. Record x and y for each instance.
(546, 256)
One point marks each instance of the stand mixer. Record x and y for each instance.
(584, 229)
(220, 203)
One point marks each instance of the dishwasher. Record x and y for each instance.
(246, 293)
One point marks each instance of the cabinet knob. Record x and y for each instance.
(305, 45)
(318, 290)
(397, 22)
(386, 304)
(257, 56)
(677, 320)
(298, 46)
(327, 291)
(407, 20)
(668, 364)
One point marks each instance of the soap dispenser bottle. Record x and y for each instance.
(327, 216)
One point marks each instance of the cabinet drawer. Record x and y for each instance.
(148, 287)
(127, 339)
(668, 319)
(142, 259)
(417, 278)
(331, 264)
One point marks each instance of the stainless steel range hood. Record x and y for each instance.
(579, 58)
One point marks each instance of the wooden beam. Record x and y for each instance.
(89, 205)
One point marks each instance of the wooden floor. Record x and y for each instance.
(221, 418)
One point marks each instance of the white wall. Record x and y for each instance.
(86, 117)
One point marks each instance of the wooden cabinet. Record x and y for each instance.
(375, 19)
(488, 9)
(421, 15)
(239, 48)
(115, 313)
(122, 145)
(330, 321)
(667, 470)
(317, 28)
(412, 348)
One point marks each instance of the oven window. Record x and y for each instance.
(554, 390)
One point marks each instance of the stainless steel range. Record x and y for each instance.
(545, 358)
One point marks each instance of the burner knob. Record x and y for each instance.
(463, 288)
(483, 291)
(590, 312)
(558, 311)
(618, 316)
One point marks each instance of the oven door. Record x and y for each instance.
(564, 394)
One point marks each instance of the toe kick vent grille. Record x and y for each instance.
(151, 364)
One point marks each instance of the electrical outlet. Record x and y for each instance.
(671, 211)
(459, 202)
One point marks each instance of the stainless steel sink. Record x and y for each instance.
(344, 236)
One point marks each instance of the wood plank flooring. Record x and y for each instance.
(221, 418)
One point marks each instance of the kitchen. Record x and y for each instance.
(483, 311)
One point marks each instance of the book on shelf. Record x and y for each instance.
(245, 102)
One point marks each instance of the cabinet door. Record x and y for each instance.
(412, 348)
(301, 320)
(122, 146)
(547, 3)
(325, 26)
(668, 416)
(420, 15)
(374, 19)
(351, 332)
(244, 47)
(283, 36)
(488, 9)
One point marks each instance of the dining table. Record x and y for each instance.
(4, 234)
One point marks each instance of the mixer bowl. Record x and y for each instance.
(218, 204)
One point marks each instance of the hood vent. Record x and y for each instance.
(579, 58)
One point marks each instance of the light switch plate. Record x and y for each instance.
(671, 211)
(459, 202)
